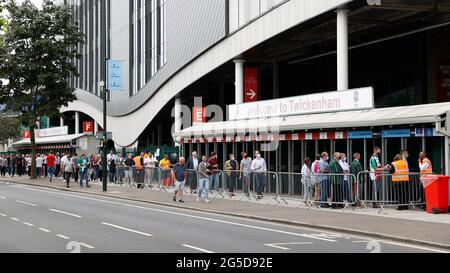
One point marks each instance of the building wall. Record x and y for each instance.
(197, 44)
(438, 43)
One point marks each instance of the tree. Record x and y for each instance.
(2, 18)
(36, 59)
(9, 129)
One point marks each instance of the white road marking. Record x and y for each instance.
(14, 219)
(197, 248)
(2, 197)
(127, 229)
(62, 236)
(87, 246)
(26, 203)
(279, 245)
(3, 215)
(44, 230)
(199, 217)
(66, 213)
(28, 224)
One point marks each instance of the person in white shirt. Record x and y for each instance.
(192, 167)
(150, 166)
(63, 160)
(346, 170)
(44, 166)
(39, 163)
(306, 179)
(110, 158)
(68, 166)
(28, 161)
(259, 168)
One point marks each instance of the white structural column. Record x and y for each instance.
(95, 127)
(77, 123)
(342, 49)
(61, 121)
(178, 121)
(239, 80)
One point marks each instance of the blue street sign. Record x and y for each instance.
(360, 134)
(419, 132)
(397, 133)
(115, 75)
(429, 132)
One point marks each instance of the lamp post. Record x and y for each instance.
(105, 138)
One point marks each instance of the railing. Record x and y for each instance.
(384, 189)
(315, 190)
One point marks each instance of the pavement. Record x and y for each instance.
(224, 225)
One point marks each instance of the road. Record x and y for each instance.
(37, 220)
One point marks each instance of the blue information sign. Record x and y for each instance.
(115, 75)
(360, 134)
(396, 133)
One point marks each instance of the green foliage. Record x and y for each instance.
(9, 129)
(2, 18)
(37, 59)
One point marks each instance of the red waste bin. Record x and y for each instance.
(436, 191)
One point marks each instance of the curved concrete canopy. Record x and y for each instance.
(126, 129)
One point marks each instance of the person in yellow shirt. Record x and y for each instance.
(139, 163)
(164, 165)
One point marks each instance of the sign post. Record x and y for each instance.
(88, 127)
(115, 75)
(250, 84)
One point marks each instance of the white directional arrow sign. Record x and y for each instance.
(251, 94)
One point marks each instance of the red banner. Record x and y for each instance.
(88, 127)
(198, 115)
(250, 84)
(443, 82)
(26, 134)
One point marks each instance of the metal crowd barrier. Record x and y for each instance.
(192, 179)
(346, 190)
(292, 187)
(335, 190)
(379, 189)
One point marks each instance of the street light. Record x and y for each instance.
(105, 137)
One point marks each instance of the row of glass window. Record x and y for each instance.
(148, 42)
(241, 12)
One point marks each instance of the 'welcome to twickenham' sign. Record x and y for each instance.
(355, 99)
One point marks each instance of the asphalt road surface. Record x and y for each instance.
(37, 220)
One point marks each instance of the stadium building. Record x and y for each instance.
(308, 75)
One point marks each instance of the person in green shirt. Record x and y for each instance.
(83, 164)
(356, 168)
(337, 181)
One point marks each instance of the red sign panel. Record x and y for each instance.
(26, 134)
(88, 127)
(250, 84)
(443, 82)
(198, 115)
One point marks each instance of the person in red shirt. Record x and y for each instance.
(50, 165)
(215, 173)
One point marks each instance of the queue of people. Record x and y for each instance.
(327, 180)
(332, 180)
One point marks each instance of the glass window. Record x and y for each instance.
(234, 15)
(241, 12)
